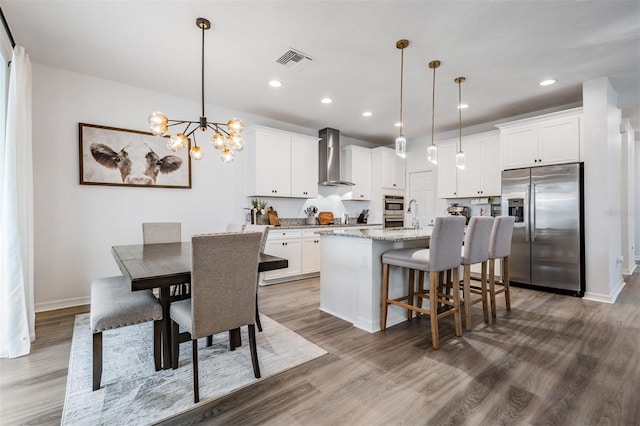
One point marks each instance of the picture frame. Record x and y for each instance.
(121, 157)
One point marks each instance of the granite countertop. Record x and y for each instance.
(393, 234)
(338, 225)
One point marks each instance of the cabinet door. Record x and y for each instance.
(311, 255)
(520, 147)
(560, 141)
(447, 170)
(290, 250)
(355, 166)
(469, 178)
(392, 170)
(304, 167)
(273, 164)
(491, 172)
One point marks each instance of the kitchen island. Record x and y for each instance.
(351, 273)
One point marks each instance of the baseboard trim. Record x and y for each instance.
(62, 304)
(629, 271)
(606, 298)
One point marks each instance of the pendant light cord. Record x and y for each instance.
(202, 74)
(401, 84)
(460, 112)
(433, 104)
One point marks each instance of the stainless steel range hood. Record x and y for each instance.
(329, 168)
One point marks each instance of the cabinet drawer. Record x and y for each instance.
(281, 234)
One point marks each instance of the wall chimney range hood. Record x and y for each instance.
(329, 168)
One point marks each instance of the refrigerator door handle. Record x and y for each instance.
(533, 212)
(527, 196)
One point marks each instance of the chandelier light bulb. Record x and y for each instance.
(218, 140)
(235, 125)
(177, 142)
(236, 142)
(227, 156)
(196, 153)
(460, 160)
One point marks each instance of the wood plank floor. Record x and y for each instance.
(552, 360)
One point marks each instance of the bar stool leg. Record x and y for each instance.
(492, 286)
(505, 281)
(483, 283)
(456, 306)
(433, 308)
(410, 285)
(466, 290)
(384, 296)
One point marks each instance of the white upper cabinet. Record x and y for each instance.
(355, 166)
(481, 176)
(304, 167)
(281, 164)
(391, 167)
(548, 139)
(447, 171)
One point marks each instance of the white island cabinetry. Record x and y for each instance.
(351, 271)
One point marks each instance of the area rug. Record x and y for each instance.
(133, 392)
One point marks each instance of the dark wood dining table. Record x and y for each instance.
(150, 266)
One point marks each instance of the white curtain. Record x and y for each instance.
(17, 313)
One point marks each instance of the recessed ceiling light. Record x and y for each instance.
(275, 83)
(547, 82)
(367, 114)
(326, 100)
(463, 106)
(398, 124)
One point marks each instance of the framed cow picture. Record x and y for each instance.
(121, 157)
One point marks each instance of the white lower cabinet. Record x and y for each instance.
(301, 247)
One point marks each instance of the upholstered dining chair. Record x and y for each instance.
(476, 250)
(165, 232)
(114, 305)
(443, 255)
(264, 230)
(500, 249)
(224, 269)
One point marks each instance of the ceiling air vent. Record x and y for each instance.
(294, 58)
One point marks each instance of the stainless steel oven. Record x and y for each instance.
(393, 211)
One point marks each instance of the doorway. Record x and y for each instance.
(422, 189)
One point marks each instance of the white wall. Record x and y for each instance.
(636, 212)
(602, 156)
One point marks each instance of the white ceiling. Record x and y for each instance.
(503, 49)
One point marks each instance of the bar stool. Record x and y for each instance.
(500, 248)
(476, 250)
(442, 255)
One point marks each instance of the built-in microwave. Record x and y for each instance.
(393, 211)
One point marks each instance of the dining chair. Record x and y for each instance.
(443, 255)
(235, 227)
(224, 269)
(475, 250)
(500, 249)
(165, 232)
(264, 230)
(114, 305)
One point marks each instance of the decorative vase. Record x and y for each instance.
(311, 220)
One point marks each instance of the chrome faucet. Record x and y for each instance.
(415, 222)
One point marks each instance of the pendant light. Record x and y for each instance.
(401, 141)
(460, 153)
(432, 150)
(227, 137)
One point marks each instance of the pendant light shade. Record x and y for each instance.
(432, 150)
(460, 153)
(227, 136)
(401, 141)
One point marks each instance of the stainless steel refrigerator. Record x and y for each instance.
(547, 249)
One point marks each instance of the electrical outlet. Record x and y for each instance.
(620, 259)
